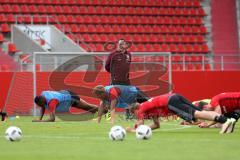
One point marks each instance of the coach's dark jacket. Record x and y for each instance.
(118, 65)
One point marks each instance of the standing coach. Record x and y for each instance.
(118, 64)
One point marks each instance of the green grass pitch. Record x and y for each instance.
(89, 141)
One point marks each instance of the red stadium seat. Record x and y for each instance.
(91, 28)
(204, 48)
(83, 28)
(112, 37)
(83, 10)
(168, 38)
(62, 19)
(192, 39)
(187, 29)
(86, 38)
(165, 47)
(177, 67)
(58, 9)
(99, 47)
(128, 37)
(91, 10)
(207, 67)
(27, 19)
(197, 48)
(198, 67)
(95, 38)
(183, 20)
(137, 38)
(103, 38)
(200, 39)
(179, 29)
(39, 19)
(151, 38)
(190, 67)
(3, 18)
(196, 3)
(10, 18)
(172, 29)
(67, 28)
(87, 19)
(75, 10)
(63, 2)
(178, 11)
(16, 9)
(193, 12)
(50, 9)
(100, 29)
(203, 29)
(99, 10)
(1, 9)
(96, 19)
(181, 48)
(156, 47)
(74, 28)
(176, 39)
(176, 58)
(198, 20)
(24, 9)
(173, 47)
(107, 10)
(71, 19)
(188, 58)
(79, 19)
(33, 9)
(7, 8)
(140, 47)
(149, 48)
(12, 48)
(5, 28)
(67, 10)
(201, 12)
(1, 38)
(185, 39)
(189, 48)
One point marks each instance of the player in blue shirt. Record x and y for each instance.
(60, 101)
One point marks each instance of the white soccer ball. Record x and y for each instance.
(117, 133)
(13, 134)
(143, 132)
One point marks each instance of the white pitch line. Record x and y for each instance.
(173, 129)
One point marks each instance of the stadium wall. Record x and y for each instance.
(192, 84)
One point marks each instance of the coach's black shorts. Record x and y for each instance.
(182, 107)
(75, 98)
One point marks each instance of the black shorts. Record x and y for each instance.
(75, 98)
(141, 97)
(182, 107)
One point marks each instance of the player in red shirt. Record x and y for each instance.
(225, 103)
(168, 104)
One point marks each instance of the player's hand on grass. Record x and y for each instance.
(36, 120)
(203, 125)
(129, 129)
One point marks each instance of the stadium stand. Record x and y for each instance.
(175, 26)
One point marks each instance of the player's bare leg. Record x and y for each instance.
(214, 116)
(86, 106)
